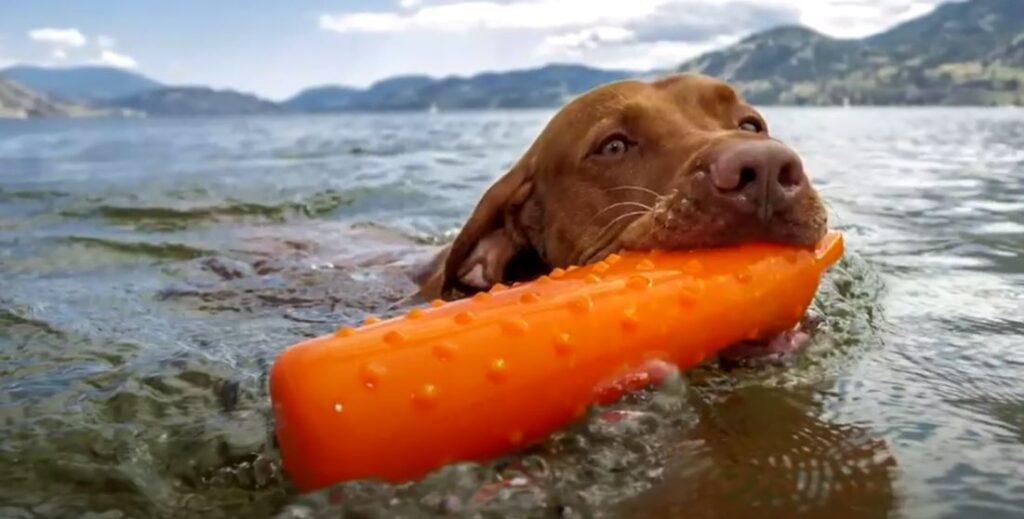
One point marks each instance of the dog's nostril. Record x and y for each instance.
(788, 176)
(747, 176)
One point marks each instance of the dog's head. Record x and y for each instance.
(680, 163)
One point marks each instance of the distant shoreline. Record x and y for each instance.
(968, 54)
(456, 111)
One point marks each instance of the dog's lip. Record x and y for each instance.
(662, 214)
(648, 245)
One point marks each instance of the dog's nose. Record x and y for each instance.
(758, 177)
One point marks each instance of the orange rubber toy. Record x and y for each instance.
(478, 378)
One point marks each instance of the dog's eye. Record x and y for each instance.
(614, 146)
(751, 125)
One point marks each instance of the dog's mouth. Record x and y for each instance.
(680, 222)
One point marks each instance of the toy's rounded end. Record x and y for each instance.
(830, 248)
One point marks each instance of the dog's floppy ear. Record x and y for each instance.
(491, 237)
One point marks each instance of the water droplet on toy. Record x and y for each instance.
(639, 282)
(543, 280)
(426, 396)
(372, 373)
(498, 370)
(557, 273)
(581, 305)
(415, 313)
(445, 350)
(437, 303)
(345, 331)
(514, 327)
(480, 297)
(600, 267)
(613, 259)
(394, 337)
(498, 287)
(744, 276)
(571, 268)
(371, 319)
(464, 317)
(338, 408)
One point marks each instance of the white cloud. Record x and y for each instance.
(59, 40)
(652, 55)
(589, 38)
(526, 14)
(859, 18)
(62, 41)
(363, 22)
(62, 38)
(108, 56)
(105, 42)
(115, 59)
(842, 18)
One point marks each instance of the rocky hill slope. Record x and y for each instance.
(969, 53)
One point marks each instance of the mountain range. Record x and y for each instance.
(18, 102)
(962, 53)
(81, 84)
(546, 86)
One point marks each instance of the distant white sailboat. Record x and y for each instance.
(846, 102)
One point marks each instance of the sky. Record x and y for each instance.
(277, 47)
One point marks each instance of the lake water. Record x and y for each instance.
(150, 271)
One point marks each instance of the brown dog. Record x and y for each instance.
(681, 163)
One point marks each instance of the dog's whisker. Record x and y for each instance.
(636, 188)
(613, 206)
(598, 241)
(832, 212)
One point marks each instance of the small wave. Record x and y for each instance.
(173, 251)
(175, 218)
(184, 214)
(417, 237)
(10, 319)
(14, 195)
(329, 152)
(322, 150)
